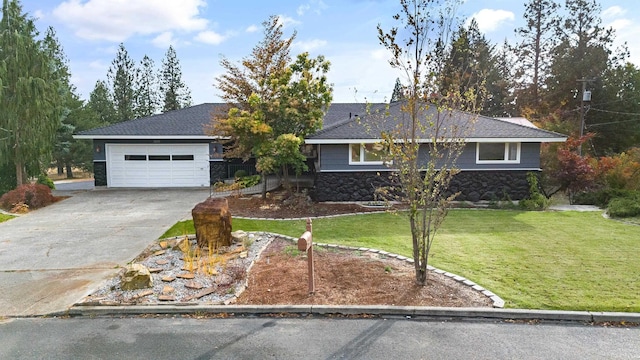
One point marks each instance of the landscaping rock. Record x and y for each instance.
(135, 277)
(212, 221)
(239, 236)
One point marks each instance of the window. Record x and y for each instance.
(135, 157)
(159, 157)
(182, 157)
(366, 154)
(492, 153)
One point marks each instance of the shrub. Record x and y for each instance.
(624, 207)
(240, 174)
(7, 178)
(34, 196)
(602, 197)
(621, 171)
(45, 180)
(248, 181)
(536, 200)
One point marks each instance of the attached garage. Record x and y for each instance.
(173, 149)
(157, 165)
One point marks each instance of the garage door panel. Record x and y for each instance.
(158, 167)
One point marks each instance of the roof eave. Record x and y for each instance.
(469, 140)
(149, 137)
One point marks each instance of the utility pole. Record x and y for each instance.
(584, 98)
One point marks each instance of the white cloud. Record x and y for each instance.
(309, 45)
(210, 37)
(252, 29)
(613, 12)
(117, 20)
(317, 6)
(98, 65)
(489, 19)
(380, 54)
(302, 9)
(627, 30)
(38, 14)
(164, 40)
(620, 24)
(287, 21)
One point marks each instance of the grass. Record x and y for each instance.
(4, 217)
(535, 260)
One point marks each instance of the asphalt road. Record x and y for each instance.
(319, 338)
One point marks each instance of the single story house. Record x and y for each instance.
(177, 149)
(498, 154)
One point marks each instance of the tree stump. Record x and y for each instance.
(212, 221)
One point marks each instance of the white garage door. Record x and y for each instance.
(165, 165)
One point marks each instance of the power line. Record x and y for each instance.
(613, 122)
(615, 112)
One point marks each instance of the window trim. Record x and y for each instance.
(362, 156)
(505, 159)
(182, 157)
(159, 157)
(135, 157)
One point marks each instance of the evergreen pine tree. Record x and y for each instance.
(29, 96)
(122, 78)
(175, 93)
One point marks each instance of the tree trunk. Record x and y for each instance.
(60, 169)
(20, 176)
(285, 175)
(69, 171)
(264, 185)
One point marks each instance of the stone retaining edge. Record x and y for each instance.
(403, 311)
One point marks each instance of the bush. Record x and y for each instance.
(624, 207)
(248, 181)
(34, 196)
(44, 180)
(603, 197)
(240, 174)
(536, 200)
(7, 178)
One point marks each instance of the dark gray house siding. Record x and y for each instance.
(335, 158)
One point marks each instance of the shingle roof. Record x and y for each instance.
(189, 121)
(343, 121)
(371, 125)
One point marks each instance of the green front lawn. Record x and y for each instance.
(4, 217)
(536, 260)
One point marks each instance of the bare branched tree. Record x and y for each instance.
(425, 134)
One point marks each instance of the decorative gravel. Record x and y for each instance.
(169, 263)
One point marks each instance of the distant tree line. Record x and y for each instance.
(540, 75)
(41, 109)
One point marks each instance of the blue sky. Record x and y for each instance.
(202, 31)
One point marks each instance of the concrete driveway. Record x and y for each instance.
(53, 257)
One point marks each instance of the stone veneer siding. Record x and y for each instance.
(473, 185)
(217, 171)
(100, 173)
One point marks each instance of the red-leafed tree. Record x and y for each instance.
(570, 171)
